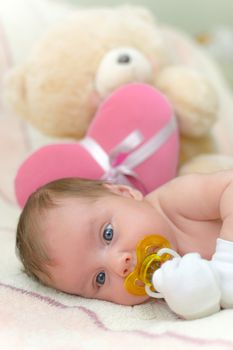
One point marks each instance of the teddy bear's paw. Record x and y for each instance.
(194, 99)
(207, 163)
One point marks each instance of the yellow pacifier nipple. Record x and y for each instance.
(148, 261)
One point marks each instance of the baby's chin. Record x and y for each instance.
(129, 300)
(135, 301)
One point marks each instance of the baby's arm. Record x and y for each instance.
(226, 209)
(186, 282)
(207, 197)
(201, 197)
(222, 260)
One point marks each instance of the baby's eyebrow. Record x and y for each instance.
(95, 228)
(86, 277)
(88, 290)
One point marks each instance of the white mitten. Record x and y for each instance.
(189, 285)
(222, 262)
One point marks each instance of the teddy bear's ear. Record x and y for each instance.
(14, 91)
(144, 13)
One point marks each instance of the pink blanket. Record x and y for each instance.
(35, 317)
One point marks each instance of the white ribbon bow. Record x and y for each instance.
(119, 163)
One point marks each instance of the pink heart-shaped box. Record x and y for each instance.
(134, 109)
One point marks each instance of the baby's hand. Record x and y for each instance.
(189, 286)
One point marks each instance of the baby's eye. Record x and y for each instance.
(100, 279)
(108, 233)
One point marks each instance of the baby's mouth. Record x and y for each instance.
(146, 262)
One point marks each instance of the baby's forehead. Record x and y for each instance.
(70, 212)
(67, 207)
(90, 198)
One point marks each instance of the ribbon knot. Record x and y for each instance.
(118, 165)
(118, 174)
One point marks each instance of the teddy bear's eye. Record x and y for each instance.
(124, 58)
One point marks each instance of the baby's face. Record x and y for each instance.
(93, 243)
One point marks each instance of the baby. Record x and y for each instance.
(80, 236)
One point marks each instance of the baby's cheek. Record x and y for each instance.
(133, 300)
(119, 295)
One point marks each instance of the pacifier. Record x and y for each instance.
(151, 253)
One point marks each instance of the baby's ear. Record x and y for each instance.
(14, 92)
(125, 191)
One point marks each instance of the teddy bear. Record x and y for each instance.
(81, 61)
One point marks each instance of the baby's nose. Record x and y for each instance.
(124, 264)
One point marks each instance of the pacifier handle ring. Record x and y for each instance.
(156, 295)
(168, 251)
(160, 252)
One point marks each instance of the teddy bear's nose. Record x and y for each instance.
(124, 58)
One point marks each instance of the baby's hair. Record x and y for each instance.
(29, 245)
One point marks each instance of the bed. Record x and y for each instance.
(35, 317)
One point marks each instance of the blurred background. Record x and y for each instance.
(210, 21)
(193, 16)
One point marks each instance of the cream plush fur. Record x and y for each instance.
(83, 59)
